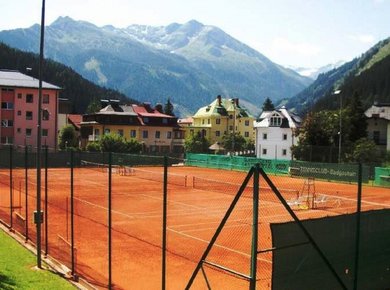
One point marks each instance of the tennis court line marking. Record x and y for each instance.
(217, 245)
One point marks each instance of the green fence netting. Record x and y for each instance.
(382, 176)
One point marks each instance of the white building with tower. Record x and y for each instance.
(275, 134)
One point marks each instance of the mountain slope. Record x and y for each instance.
(191, 63)
(74, 87)
(368, 76)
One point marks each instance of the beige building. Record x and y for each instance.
(221, 117)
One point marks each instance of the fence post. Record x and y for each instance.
(72, 211)
(164, 233)
(358, 216)
(26, 187)
(109, 221)
(255, 228)
(10, 186)
(46, 208)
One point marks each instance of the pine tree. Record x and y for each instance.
(168, 108)
(268, 105)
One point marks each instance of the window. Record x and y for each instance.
(246, 134)
(45, 132)
(29, 98)
(376, 136)
(28, 132)
(157, 135)
(169, 135)
(7, 123)
(265, 136)
(284, 136)
(203, 122)
(19, 113)
(230, 117)
(29, 115)
(19, 96)
(275, 120)
(97, 132)
(7, 105)
(231, 128)
(107, 131)
(218, 121)
(45, 99)
(45, 115)
(19, 130)
(217, 133)
(264, 151)
(146, 120)
(165, 121)
(133, 134)
(7, 140)
(284, 152)
(145, 134)
(120, 132)
(246, 122)
(208, 121)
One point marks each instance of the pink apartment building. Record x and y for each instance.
(19, 110)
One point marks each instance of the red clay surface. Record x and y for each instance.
(193, 216)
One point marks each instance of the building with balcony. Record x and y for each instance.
(378, 124)
(221, 117)
(275, 134)
(19, 94)
(158, 132)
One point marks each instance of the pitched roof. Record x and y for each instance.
(10, 78)
(221, 107)
(381, 111)
(147, 112)
(117, 110)
(75, 120)
(289, 119)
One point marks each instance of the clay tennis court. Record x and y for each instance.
(197, 201)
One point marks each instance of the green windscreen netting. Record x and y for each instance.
(296, 265)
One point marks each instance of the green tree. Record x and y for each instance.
(268, 105)
(68, 138)
(93, 146)
(168, 108)
(357, 120)
(196, 143)
(133, 146)
(113, 143)
(234, 140)
(365, 151)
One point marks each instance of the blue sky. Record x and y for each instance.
(308, 33)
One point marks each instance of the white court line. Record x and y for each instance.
(217, 245)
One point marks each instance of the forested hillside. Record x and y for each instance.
(74, 87)
(367, 77)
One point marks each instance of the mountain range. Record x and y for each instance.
(367, 76)
(189, 63)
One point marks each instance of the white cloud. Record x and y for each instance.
(363, 38)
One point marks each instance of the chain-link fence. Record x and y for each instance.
(147, 222)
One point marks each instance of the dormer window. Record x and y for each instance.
(275, 120)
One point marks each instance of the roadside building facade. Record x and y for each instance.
(275, 134)
(19, 94)
(378, 124)
(155, 130)
(221, 117)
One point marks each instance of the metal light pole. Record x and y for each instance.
(38, 218)
(338, 92)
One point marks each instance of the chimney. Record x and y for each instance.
(219, 100)
(237, 102)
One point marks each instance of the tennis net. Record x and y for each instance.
(266, 193)
(142, 173)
